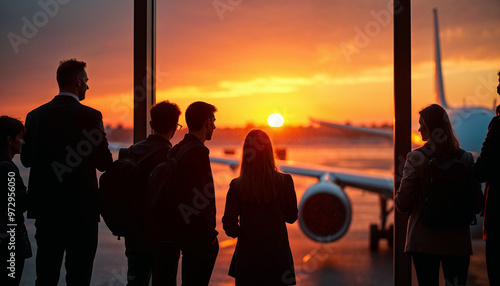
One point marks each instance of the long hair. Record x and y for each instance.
(442, 139)
(259, 171)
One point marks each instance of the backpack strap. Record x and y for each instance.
(151, 154)
(183, 150)
(127, 153)
(460, 152)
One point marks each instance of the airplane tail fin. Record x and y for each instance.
(438, 73)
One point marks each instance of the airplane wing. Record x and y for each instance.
(376, 182)
(371, 131)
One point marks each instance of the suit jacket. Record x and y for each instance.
(421, 238)
(486, 169)
(195, 198)
(262, 254)
(64, 144)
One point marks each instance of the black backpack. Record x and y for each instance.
(120, 195)
(449, 193)
(160, 212)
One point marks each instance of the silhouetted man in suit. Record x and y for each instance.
(487, 169)
(65, 144)
(195, 233)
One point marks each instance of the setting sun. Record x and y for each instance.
(275, 120)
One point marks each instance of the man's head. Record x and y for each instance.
(164, 118)
(72, 77)
(498, 86)
(200, 119)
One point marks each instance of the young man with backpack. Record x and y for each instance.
(193, 201)
(140, 251)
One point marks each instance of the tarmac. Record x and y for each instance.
(347, 261)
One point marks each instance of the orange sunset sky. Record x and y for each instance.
(331, 60)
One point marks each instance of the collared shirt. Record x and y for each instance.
(69, 94)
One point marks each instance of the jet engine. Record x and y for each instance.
(324, 212)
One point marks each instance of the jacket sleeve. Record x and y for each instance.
(478, 199)
(486, 166)
(232, 210)
(409, 189)
(27, 151)
(290, 200)
(103, 157)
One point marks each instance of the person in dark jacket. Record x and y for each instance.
(194, 200)
(258, 204)
(65, 144)
(429, 246)
(487, 169)
(142, 260)
(14, 243)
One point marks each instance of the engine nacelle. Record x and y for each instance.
(324, 212)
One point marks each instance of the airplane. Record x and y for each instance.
(325, 211)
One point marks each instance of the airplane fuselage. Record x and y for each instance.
(470, 125)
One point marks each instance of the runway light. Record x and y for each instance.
(275, 120)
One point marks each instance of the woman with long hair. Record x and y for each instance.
(258, 204)
(14, 244)
(432, 245)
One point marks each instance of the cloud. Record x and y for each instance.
(260, 48)
(273, 85)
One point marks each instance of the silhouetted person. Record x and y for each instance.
(144, 258)
(258, 204)
(65, 143)
(13, 239)
(430, 246)
(497, 109)
(195, 232)
(487, 169)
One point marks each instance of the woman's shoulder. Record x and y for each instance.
(418, 155)
(284, 180)
(467, 157)
(8, 166)
(235, 181)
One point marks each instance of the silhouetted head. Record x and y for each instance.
(72, 77)
(11, 135)
(165, 117)
(258, 167)
(435, 127)
(498, 86)
(200, 117)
